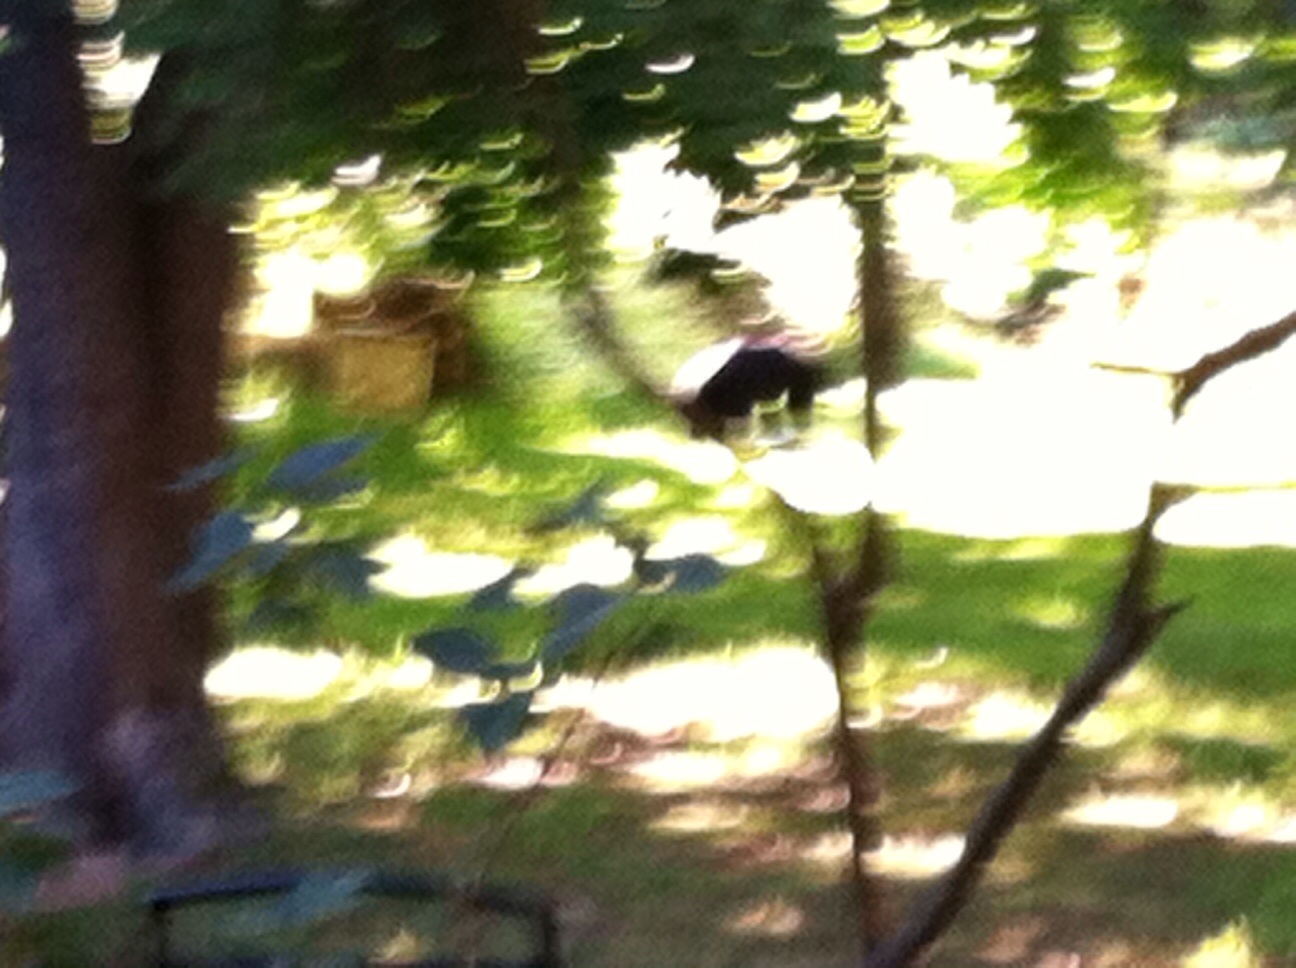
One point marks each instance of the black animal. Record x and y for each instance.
(756, 372)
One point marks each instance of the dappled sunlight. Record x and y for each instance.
(1022, 549)
(266, 672)
(597, 560)
(463, 693)
(703, 462)
(915, 856)
(807, 252)
(1231, 948)
(1194, 168)
(1007, 717)
(829, 850)
(1229, 435)
(513, 773)
(680, 771)
(654, 203)
(990, 263)
(1042, 444)
(277, 527)
(1038, 447)
(1135, 811)
(283, 307)
(981, 261)
(412, 674)
(927, 697)
(640, 495)
(736, 496)
(843, 400)
(1245, 818)
(416, 571)
(701, 816)
(1057, 612)
(1236, 812)
(947, 115)
(774, 692)
(773, 918)
(257, 412)
(711, 535)
(1003, 716)
(829, 474)
(1208, 282)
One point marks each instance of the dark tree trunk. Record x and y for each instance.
(115, 358)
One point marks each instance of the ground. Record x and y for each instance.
(680, 803)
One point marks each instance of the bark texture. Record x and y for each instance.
(115, 360)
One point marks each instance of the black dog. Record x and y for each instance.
(756, 372)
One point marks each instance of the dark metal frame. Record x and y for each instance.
(509, 901)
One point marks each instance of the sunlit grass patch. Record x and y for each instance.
(707, 534)
(413, 570)
(1056, 612)
(1005, 716)
(1135, 811)
(1234, 947)
(776, 918)
(915, 857)
(701, 816)
(597, 560)
(269, 673)
(703, 462)
(1202, 723)
(776, 691)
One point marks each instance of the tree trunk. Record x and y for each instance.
(115, 367)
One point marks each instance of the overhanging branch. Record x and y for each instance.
(1188, 382)
(1255, 343)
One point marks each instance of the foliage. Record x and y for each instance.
(578, 612)
(26, 853)
(269, 539)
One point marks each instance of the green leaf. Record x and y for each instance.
(307, 468)
(498, 596)
(505, 671)
(18, 886)
(332, 488)
(276, 614)
(266, 557)
(223, 538)
(203, 474)
(494, 725)
(344, 570)
(586, 509)
(582, 609)
(24, 790)
(695, 573)
(456, 650)
(653, 571)
(319, 896)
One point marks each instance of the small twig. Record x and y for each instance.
(845, 606)
(1188, 382)
(528, 798)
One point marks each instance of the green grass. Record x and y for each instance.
(1204, 719)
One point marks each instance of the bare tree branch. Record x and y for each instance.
(1133, 626)
(1188, 382)
(1255, 343)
